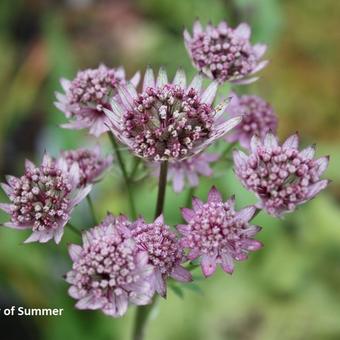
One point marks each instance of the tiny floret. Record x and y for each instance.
(258, 118)
(281, 176)
(87, 95)
(224, 53)
(164, 250)
(168, 120)
(43, 198)
(91, 163)
(218, 234)
(108, 270)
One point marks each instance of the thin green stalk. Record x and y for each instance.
(134, 168)
(143, 312)
(191, 193)
(91, 206)
(121, 164)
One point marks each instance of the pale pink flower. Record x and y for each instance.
(165, 252)
(168, 120)
(90, 161)
(217, 234)
(224, 53)
(281, 176)
(43, 198)
(108, 270)
(87, 95)
(258, 118)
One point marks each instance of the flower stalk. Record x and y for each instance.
(125, 175)
(143, 312)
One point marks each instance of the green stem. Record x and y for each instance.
(73, 228)
(91, 206)
(121, 164)
(191, 193)
(134, 168)
(143, 312)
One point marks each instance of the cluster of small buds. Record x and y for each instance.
(224, 53)
(282, 177)
(217, 233)
(188, 171)
(87, 95)
(168, 121)
(258, 118)
(108, 270)
(165, 252)
(91, 163)
(43, 198)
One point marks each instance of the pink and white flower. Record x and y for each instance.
(225, 54)
(164, 250)
(43, 198)
(90, 162)
(258, 118)
(86, 96)
(218, 234)
(109, 271)
(168, 120)
(281, 176)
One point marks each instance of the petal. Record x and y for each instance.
(225, 127)
(291, 142)
(270, 141)
(82, 193)
(159, 219)
(127, 94)
(186, 35)
(74, 251)
(193, 179)
(193, 254)
(17, 226)
(180, 78)
(181, 274)
(227, 263)
(159, 283)
(122, 303)
(243, 31)
(261, 65)
(308, 152)
(246, 213)
(252, 245)
(29, 166)
(183, 229)
(135, 79)
(162, 78)
(58, 234)
(214, 195)
(178, 181)
(197, 27)
(322, 164)
(6, 188)
(240, 158)
(221, 108)
(196, 83)
(188, 214)
(245, 81)
(6, 207)
(255, 142)
(260, 50)
(65, 83)
(317, 187)
(209, 94)
(208, 265)
(197, 204)
(149, 79)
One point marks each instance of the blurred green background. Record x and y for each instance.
(290, 290)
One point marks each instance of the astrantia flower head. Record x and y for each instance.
(168, 121)
(258, 118)
(164, 250)
(87, 95)
(43, 198)
(91, 163)
(281, 176)
(218, 234)
(224, 53)
(187, 171)
(108, 270)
